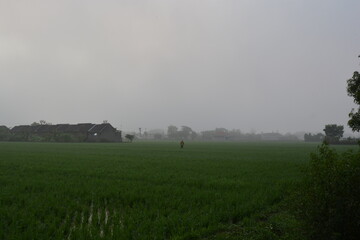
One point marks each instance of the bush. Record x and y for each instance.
(65, 137)
(130, 137)
(329, 199)
(19, 138)
(35, 138)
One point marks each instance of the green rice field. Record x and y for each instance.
(142, 190)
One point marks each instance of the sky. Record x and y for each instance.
(260, 66)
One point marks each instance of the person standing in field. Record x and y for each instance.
(182, 144)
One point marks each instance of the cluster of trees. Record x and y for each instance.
(218, 134)
(333, 135)
(41, 122)
(319, 137)
(334, 131)
(223, 134)
(185, 132)
(5, 134)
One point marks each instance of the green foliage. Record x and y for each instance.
(65, 137)
(142, 191)
(172, 131)
(308, 137)
(329, 200)
(130, 137)
(273, 223)
(20, 137)
(36, 138)
(353, 90)
(185, 133)
(333, 132)
(4, 133)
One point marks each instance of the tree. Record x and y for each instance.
(185, 132)
(333, 132)
(4, 133)
(41, 122)
(172, 131)
(313, 138)
(35, 124)
(130, 137)
(194, 135)
(353, 89)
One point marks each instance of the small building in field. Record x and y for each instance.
(103, 133)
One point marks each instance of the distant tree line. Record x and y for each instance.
(223, 134)
(319, 137)
(185, 132)
(5, 134)
(333, 135)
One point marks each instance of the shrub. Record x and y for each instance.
(329, 199)
(130, 137)
(35, 138)
(65, 137)
(19, 137)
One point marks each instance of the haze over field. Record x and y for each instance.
(267, 65)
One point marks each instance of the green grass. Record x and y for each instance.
(150, 190)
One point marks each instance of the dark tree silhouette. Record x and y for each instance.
(353, 89)
(130, 137)
(333, 132)
(172, 131)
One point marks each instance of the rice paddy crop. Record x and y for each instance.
(143, 190)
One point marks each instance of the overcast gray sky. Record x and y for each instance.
(278, 65)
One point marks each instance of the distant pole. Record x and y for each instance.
(140, 131)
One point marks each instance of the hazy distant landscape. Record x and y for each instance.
(180, 120)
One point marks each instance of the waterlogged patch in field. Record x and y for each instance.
(140, 190)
